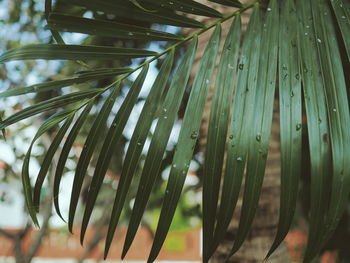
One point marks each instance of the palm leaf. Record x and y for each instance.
(240, 124)
(72, 52)
(136, 145)
(160, 138)
(217, 132)
(113, 135)
(302, 41)
(290, 120)
(67, 23)
(187, 140)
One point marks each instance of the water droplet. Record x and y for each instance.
(174, 165)
(297, 76)
(241, 66)
(334, 109)
(284, 67)
(167, 192)
(306, 33)
(298, 127)
(114, 125)
(207, 81)
(139, 144)
(230, 66)
(183, 172)
(165, 110)
(148, 34)
(292, 94)
(239, 159)
(165, 117)
(307, 26)
(343, 17)
(194, 135)
(231, 137)
(130, 33)
(258, 137)
(269, 9)
(319, 40)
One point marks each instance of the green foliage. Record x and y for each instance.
(293, 43)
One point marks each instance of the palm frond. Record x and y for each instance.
(295, 46)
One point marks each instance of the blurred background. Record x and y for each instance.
(22, 22)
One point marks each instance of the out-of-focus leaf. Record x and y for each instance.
(72, 52)
(67, 23)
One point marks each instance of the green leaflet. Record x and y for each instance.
(65, 152)
(88, 149)
(317, 121)
(82, 77)
(136, 144)
(160, 138)
(131, 12)
(48, 160)
(242, 117)
(72, 52)
(338, 116)
(27, 189)
(217, 132)
(48, 105)
(67, 23)
(109, 144)
(186, 6)
(55, 34)
(342, 13)
(290, 120)
(136, 3)
(3, 131)
(188, 137)
(234, 3)
(261, 126)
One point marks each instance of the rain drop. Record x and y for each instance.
(239, 159)
(269, 9)
(165, 117)
(207, 81)
(130, 34)
(194, 135)
(241, 66)
(231, 137)
(334, 109)
(292, 94)
(174, 165)
(319, 40)
(139, 144)
(298, 127)
(258, 137)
